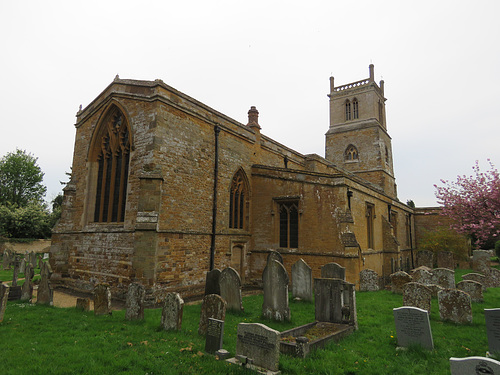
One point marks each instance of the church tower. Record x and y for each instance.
(357, 139)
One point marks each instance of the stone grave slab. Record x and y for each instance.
(230, 289)
(443, 277)
(302, 281)
(425, 258)
(333, 271)
(171, 315)
(368, 281)
(398, 280)
(212, 282)
(473, 288)
(474, 365)
(275, 285)
(492, 317)
(455, 306)
(417, 295)
(413, 327)
(135, 302)
(422, 275)
(4, 296)
(214, 335)
(213, 306)
(102, 299)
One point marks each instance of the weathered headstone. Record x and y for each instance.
(413, 327)
(171, 315)
(16, 263)
(32, 259)
(6, 260)
(230, 289)
(333, 271)
(214, 335)
(22, 266)
(368, 281)
(83, 304)
(480, 278)
(212, 285)
(455, 306)
(446, 259)
(492, 317)
(102, 299)
(474, 365)
(443, 277)
(335, 301)
(45, 293)
(274, 255)
(422, 275)
(27, 287)
(435, 289)
(493, 278)
(213, 306)
(417, 295)
(260, 344)
(302, 281)
(135, 302)
(425, 258)
(473, 288)
(481, 260)
(4, 296)
(275, 284)
(398, 280)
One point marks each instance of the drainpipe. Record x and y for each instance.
(411, 241)
(214, 210)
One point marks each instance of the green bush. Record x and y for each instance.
(32, 221)
(445, 239)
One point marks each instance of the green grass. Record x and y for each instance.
(47, 340)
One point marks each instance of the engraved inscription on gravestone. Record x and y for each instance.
(492, 317)
(215, 335)
(413, 327)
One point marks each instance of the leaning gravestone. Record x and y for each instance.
(492, 317)
(230, 289)
(260, 344)
(413, 327)
(474, 365)
(212, 279)
(302, 281)
(443, 277)
(368, 281)
(4, 296)
(417, 295)
(333, 271)
(476, 277)
(27, 287)
(45, 293)
(275, 284)
(446, 259)
(455, 306)
(135, 302)
(398, 280)
(473, 288)
(212, 307)
(425, 258)
(274, 255)
(214, 335)
(481, 260)
(102, 299)
(335, 301)
(171, 315)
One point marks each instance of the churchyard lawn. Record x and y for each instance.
(37, 339)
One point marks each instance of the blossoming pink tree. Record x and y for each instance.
(473, 203)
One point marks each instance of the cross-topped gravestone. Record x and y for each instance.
(333, 271)
(213, 306)
(302, 281)
(230, 289)
(135, 302)
(260, 344)
(45, 293)
(102, 299)
(214, 335)
(212, 285)
(474, 365)
(275, 284)
(171, 316)
(4, 296)
(492, 317)
(368, 281)
(413, 327)
(455, 306)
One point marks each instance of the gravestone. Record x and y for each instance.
(493, 278)
(213, 306)
(16, 263)
(171, 315)
(32, 259)
(398, 280)
(446, 259)
(4, 296)
(260, 344)
(214, 335)
(83, 304)
(333, 271)
(417, 295)
(212, 282)
(473, 288)
(275, 285)
(425, 258)
(230, 289)
(413, 327)
(368, 281)
(135, 302)
(492, 317)
(45, 293)
(443, 277)
(102, 299)
(455, 306)
(474, 365)
(481, 260)
(6, 260)
(274, 255)
(435, 289)
(302, 281)
(476, 277)
(22, 266)
(335, 301)
(27, 287)
(422, 275)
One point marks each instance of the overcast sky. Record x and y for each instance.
(440, 61)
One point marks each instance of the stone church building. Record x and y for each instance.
(165, 188)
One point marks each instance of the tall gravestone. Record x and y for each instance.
(481, 260)
(102, 299)
(214, 335)
(212, 280)
(213, 306)
(302, 281)
(4, 296)
(135, 302)
(368, 281)
(425, 258)
(27, 287)
(16, 264)
(398, 280)
(335, 301)
(45, 293)
(274, 255)
(171, 315)
(443, 277)
(473, 288)
(492, 317)
(474, 365)
(32, 259)
(417, 295)
(413, 327)
(230, 289)
(275, 284)
(333, 271)
(455, 306)
(446, 259)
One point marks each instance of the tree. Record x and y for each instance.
(473, 203)
(20, 179)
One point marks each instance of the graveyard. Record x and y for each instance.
(39, 338)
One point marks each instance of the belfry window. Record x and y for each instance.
(351, 153)
(347, 110)
(112, 154)
(289, 224)
(238, 201)
(355, 111)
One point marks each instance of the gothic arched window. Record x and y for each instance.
(238, 201)
(355, 110)
(289, 224)
(351, 153)
(111, 153)
(347, 110)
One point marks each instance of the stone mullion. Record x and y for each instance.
(103, 186)
(112, 187)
